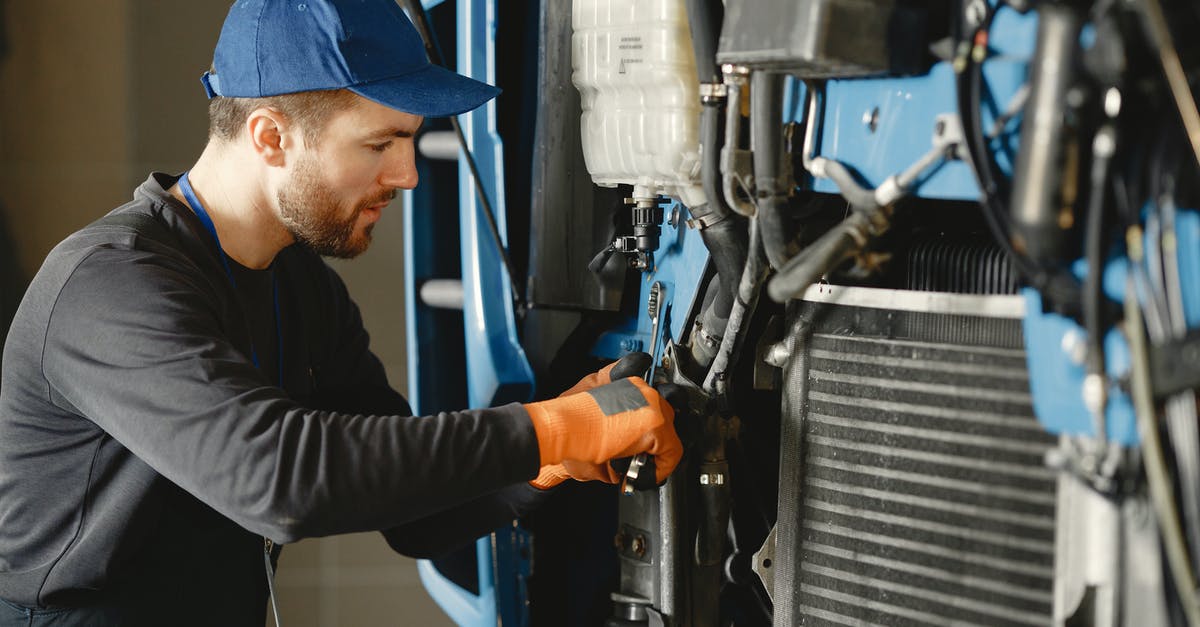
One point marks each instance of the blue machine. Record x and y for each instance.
(875, 126)
(679, 265)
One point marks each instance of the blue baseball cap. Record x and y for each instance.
(273, 47)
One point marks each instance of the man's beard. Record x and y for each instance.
(313, 215)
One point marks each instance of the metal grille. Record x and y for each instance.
(918, 492)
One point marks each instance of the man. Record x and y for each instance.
(187, 385)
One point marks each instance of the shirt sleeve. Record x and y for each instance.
(435, 535)
(135, 344)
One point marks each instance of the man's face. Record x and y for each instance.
(337, 189)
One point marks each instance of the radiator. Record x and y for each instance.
(913, 489)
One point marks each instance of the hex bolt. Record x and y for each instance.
(639, 545)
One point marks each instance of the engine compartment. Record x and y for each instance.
(926, 271)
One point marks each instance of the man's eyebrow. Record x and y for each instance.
(393, 132)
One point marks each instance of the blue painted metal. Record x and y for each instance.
(513, 553)
(679, 264)
(464, 608)
(496, 368)
(1187, 233)
(907, 109)
(1057, 381)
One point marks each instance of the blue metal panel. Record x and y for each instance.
(513, 553)
(905, 112)
(464, 608)
(497, 369)
(1057, 381)
(679, 264)
(1187, 232)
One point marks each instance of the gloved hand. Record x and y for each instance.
(631, 365)
(618, 419)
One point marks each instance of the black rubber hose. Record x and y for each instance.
(725, 233)
(704, 18)
(748, 287)
(727, 247)
(766, 140)
(821, 256)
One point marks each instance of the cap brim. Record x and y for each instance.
(433, 92)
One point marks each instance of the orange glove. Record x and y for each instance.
(631, 365)
(619, 419)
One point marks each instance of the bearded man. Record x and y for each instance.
(187, 385)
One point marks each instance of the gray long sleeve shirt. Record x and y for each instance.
(143, 456)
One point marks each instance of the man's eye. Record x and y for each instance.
(380, 147)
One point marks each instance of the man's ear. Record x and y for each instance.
(271, 135)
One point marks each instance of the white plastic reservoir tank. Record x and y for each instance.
(633, 66)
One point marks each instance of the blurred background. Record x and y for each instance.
(93, 97)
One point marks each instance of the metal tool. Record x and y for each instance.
(654, 311)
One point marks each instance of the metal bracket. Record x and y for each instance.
(1175, 366)
(764, 563)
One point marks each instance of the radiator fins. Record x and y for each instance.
(912, 487)
(959, 267)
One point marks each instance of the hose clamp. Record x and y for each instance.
(713, 93)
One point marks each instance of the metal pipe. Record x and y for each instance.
(1036, 202)
(731, 175)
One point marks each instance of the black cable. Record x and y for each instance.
(417, 13)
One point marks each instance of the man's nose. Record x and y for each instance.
(400, 172)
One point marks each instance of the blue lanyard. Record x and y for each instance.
(188, 193)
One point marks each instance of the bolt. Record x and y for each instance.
(639, 545)
(1112, 102)
(975, 12)
(777, 354)
(666, 363)
(619, 540)
(1074, 346)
